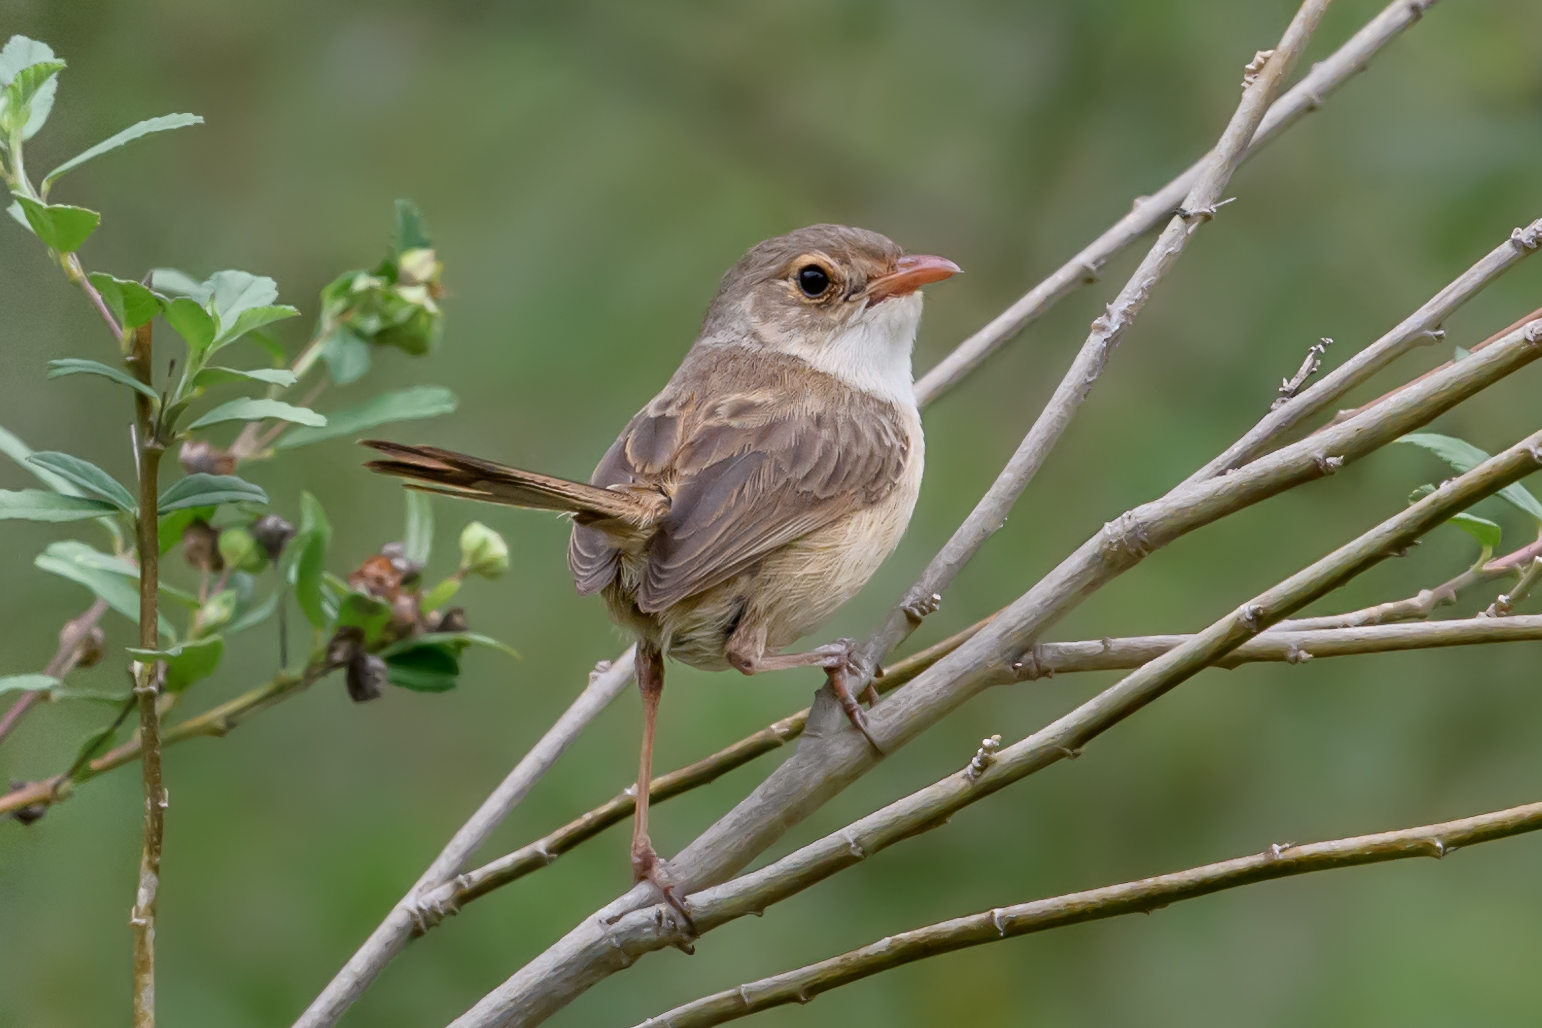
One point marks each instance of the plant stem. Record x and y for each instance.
(1138, 897)
(65, 658)
(147, 679)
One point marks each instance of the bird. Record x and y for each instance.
(760, 489)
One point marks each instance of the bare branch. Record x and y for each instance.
(1291, 386)
(1420, 327)
(408, 918)
(1501, 607)
(1137, 897)
(74, 641)
(1148, 212)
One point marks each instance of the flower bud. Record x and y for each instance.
(418, 267)
(200, 545)
(483, 551)
(88, 651)
(217, 611)
(272, 533)
(239, 549)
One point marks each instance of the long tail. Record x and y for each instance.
(455, 474)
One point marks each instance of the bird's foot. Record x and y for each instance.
(647, 867)
(917, 610)
(842, 670)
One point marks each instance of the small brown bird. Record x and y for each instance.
(762, 488)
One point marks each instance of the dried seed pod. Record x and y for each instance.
(410, 570)
(199, 455)
(272, 534)
(344, 644)
(32, 811)
(89, 650)
(450, 620)
(200, 545)
(377, 577)
(366, 677)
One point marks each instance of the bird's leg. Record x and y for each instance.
(646, 865)
(746, 651)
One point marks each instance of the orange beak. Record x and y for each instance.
(910, 274)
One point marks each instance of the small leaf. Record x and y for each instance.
(252, 319)
(27, 683)
(19, 451)
(441, 594)
(272, 347)
(87, 476)
(202, 490)
(128, 135)
(1459, 354)
(29, 97)
(172, 282)
(410, 233)
(103, 574)
(1463, 456)
(41, 505)
(186, 663)
(369, 615)
(310, 549)
(347, 356)
(233, 293)
(20, 52)
(132, 303)
(191, 322)
(403, 405)
(418, 541)
(251, 409)
(256, 616)
(174, 524)
(432, 668)
(457, 641)
(215, 376)
(80, 366)
(60, 226)
(1485, 531)
(217, 611)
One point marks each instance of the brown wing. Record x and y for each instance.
(746, 471)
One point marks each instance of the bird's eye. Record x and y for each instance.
(813, 280)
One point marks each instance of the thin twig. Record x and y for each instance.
(1291, 386)
(830, 758)
(1047, 660)
(1419, 328)
(611, 943)
(72, 640)
(147, 681)
(1503, 606)
(409, 918)
(1148, 212)
(1143, 896)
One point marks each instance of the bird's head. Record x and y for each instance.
(845, 299)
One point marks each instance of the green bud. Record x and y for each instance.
(217, 611)
(239, 550)
(483, 551)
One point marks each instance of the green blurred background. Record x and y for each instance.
(588, 170)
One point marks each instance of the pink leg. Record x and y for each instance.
(646, 864)
(746, 650)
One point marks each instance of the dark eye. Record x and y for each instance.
(813, 280)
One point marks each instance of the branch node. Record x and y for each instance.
(1327, 465)
(1429, 336)
(983, 758)
(1291, 386)
(1125, 541)
(1251, 71)
(1528, 238)
(1203, 213)
(1296, 655)
(917, 608)
(1028, 667)
(1534, 332)
(1252, 616)
(999, 921)
(1092, 271)
(855, 847)
(1070, 753)
(600, 667)
(1276, 850)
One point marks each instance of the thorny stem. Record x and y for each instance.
(1143, 896)
(71, 641)
(147, 679)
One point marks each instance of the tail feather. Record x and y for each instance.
(455, 474)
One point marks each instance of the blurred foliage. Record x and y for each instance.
(591, 169)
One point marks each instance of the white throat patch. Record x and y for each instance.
(873, 353)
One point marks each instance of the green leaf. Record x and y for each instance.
(256, 616)
(272, 347)
(80, 366)
(87, 476)
(217, 611)
(216, 376)
(456, 641)
(410, 233)
(171, 282)
(418, 541)
(369, 615)
(103, 574)
(202, 490)
(232, 293)
(1463, 456)
(347, 355)
(250, 320)
(432, 668)
(251, 409)
(60, 226)
(1459, 354)
(42, 505)
(191, 322)
(20, 52)
(1482, 529)
(19, 451)
(29, 94)
(162, 124)
(403, 405)
(440, 594)
(186, 663)
(96, 743)
(132, 303)
(27, 683)
(310, 549)
(174, 524)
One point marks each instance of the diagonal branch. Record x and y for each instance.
(74, 641)
(404, 922)
(1137, 897)
(1148, 212)
(1047, 660)
(829, 758)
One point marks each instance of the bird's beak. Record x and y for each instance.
(909, 274)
